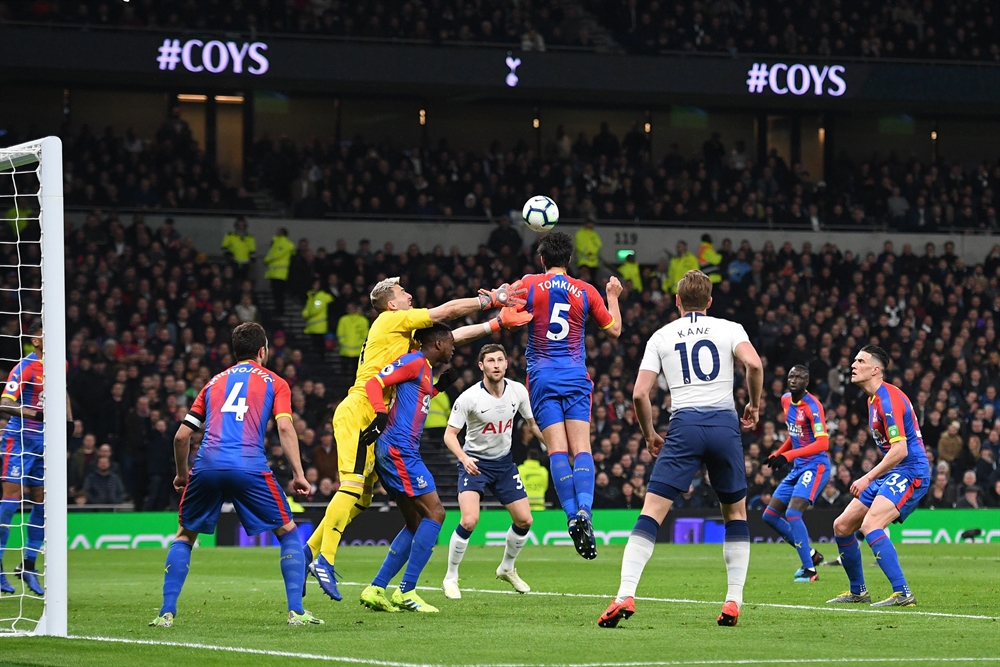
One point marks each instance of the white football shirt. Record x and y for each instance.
(490, 420)
(695, 354)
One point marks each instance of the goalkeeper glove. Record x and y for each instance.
(505, 295)
(446, 379)
(375, 429)
(509, 318)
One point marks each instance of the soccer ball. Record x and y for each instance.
(540, 213)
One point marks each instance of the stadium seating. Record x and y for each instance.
(910, 29)
(602, 177)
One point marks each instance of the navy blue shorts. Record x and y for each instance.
(22, 458)
(501, 477)
(402, 471)
(259, 501)
(696, 437)
(556, 398)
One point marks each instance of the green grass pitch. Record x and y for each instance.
(234, 598)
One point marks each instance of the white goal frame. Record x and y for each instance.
(47, 153)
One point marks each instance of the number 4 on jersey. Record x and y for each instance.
(236, 403)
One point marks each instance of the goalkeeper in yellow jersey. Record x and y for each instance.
(389, 338)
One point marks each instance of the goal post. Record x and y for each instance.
(37, 166)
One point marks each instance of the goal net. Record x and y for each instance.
(32, 451)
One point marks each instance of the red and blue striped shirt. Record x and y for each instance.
(234, 408)
(24, 387)
(412, 376)
(807, 437)
(560, 306)
(891, 419)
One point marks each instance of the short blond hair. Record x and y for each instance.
(695, 290)
(382, 293)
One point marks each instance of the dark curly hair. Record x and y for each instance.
(555, 249)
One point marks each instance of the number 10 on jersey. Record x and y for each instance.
(694, 362)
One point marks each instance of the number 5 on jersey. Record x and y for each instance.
(236, 403)
(558, 318)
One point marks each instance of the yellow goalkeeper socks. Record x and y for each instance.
(316, 539)
(339, 513)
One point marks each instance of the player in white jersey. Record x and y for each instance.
(487, 411)
(696, 354)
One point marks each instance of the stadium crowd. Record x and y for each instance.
(603, 177)
(148, 322)
(168, 171)
(882, 29)
(611, 178)
(859, 28)
(532, 25)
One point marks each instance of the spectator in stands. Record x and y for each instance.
(993, 496)
(352, 331)
(318, 301)
(278, 260)
(630, 271)
(942, 492)
(160, 469)
(972, 498)
(504, 236)
(240, 247)
(103, 486)
(324, 492)
(680, 263)
(587, 244)
(831, 498)
(950, 443)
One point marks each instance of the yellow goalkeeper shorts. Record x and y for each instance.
(355, 461)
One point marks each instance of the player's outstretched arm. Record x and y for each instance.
(746, 353)
(507, 318)
(644, 384)
(290, 443)
(505, 295)
(455, 447)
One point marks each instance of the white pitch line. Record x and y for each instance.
(386, 663)
(251, 651)
(855, 610)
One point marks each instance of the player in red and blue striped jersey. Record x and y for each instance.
(558, 384)
(807, 445)
(22, 459)
(890, 491)
(397, 431)
(233, 409)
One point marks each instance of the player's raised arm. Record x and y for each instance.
(505, 295)
(613, 291)
(746, 353)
